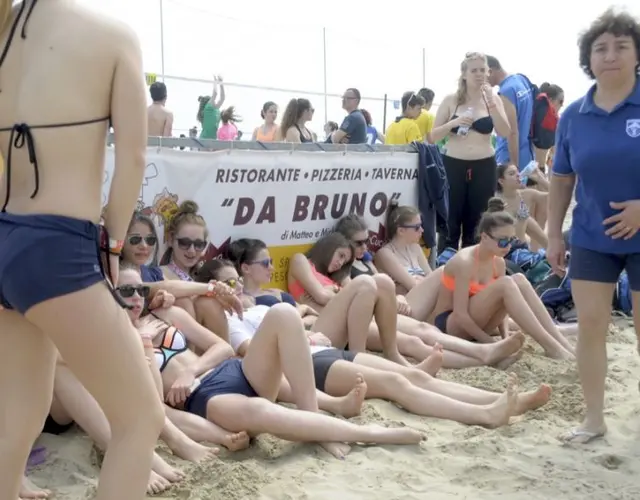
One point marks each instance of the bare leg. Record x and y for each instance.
(26, 381)
(593, 303)
(386, 315)
(414, 348)
(505, 294)
(183, 446)
(422, 298)
(345, 319)
(201, 430)
(210, 314)
(526, 401)
(85, 411)
(348, 406)
(261, 416)
(396, 388)
(537, 307)
(488, 354)
(107, 354)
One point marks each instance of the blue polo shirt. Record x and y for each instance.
(603, 150)
(519, 90)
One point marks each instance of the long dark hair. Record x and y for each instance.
(322, 252)
(202, 102)
(244, 251)
(292, 114)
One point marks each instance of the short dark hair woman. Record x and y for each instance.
(598, 145)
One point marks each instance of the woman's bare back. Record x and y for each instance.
(73, 66)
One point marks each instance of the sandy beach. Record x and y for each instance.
(521, 461)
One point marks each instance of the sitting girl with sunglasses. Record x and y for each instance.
(336, 372)
(252, 261)
(476, 296)
(188, 240)
(255, 268)
(402, 257)
(239, 395)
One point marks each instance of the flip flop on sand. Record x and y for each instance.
(580, 436)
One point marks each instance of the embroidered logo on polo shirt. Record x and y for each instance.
(633, 127)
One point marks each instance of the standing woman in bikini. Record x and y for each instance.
(469, 158)
(476, 296)
(52, 286)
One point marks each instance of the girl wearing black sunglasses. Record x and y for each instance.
(415, 307)
(206, 302)
(239, 395)
(476, 297)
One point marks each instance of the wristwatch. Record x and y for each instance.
(115, 246)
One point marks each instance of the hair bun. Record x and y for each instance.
(496, 204)
(188, 207)
(394, 203)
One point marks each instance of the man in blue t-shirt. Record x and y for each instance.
(353, 129)
(518, 95)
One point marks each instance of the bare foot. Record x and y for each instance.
(164, 470)
(194, 452)
(30, 490)
(237, 441)
(394, 435)
(338, 450)
(499, 412)
(533, 399)
(433, 363)
(496, 352)
(351, 404)
(507, 362)
(157, 484)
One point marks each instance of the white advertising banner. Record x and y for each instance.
(286, 199)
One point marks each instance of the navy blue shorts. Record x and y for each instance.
(46, 256)
(589, 265)
(323, 360)
(440, 321)
(226, 378)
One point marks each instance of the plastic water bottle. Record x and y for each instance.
(527, 171)
(463, 130)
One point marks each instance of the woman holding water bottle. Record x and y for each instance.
(468, 118)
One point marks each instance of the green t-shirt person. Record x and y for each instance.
(210, 121)
(209, 109)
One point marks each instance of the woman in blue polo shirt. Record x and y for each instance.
(598, 143)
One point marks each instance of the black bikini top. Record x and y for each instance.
(21, 132)
(482, 125)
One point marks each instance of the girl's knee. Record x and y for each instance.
(284, 311)
(520, 280)
(384, 283)
(506, 283)
(364, 283)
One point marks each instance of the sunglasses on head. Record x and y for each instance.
(127, 291)
(361, 243)
(264, 262)
(415, 227)
(187, 243)
(503, 242)
(136, 239)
